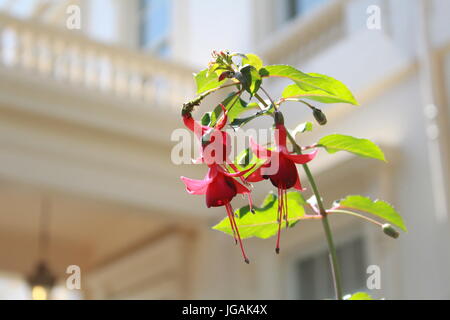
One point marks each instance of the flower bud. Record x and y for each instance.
(320, 116)
(390, 231)
(188, 107)
(224, 75)
(279, 119)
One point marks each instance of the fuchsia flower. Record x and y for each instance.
(220, 188)
(214, 140)
(219, 185)
(284, 176)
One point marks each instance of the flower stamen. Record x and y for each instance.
(233, 222)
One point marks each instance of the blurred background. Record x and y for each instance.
(90, 92)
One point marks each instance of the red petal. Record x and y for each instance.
(260, 152)
(197, 187)
(240, 188)
(220, 191)
(298, 184)
(280, 136)
(301, 158)
(256, 176)
(194, 126)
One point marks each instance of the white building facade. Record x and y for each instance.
(86, 118)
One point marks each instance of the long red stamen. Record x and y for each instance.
(286, 209)
(230, 213)
(232, 226)
(250, 203)
(280, 209)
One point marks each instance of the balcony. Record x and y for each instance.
(73, 59)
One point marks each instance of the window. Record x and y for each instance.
(314, 273)
(294, 8)
(154, 26)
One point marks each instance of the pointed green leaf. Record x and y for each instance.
(361, 147)
(313, 86)
(333, 91)
(240, 122)
(206, 81)
(285, 71)
(360, 296)
(253, 60)
(263, 224)
(378, 208)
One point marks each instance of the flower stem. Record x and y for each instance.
(326, 225)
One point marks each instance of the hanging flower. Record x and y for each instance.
(220, 188)
(280, 168)
(219, 185)
(215, 147)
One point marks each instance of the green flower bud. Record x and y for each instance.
(279, 119)
(320, 116)
(390, 231)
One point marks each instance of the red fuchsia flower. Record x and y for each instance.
(219, 185)
(281, 170)
(220, 188)
(215, 147)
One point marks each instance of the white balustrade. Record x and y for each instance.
(76, 60)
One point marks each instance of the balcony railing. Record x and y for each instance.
(72, 58)
(307, 35)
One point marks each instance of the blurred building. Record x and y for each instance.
(86, 117)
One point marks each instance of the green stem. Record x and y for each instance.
(326, 225)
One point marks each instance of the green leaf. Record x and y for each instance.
(240, 122)
(332, 90)
(206, 81)
(285, 71)
(360, 296)
(206, 119)
(378, 208)
(250, 79)
(263, 224)
(313, 86)
(361, 147)
(236, 124)
(253, 60)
